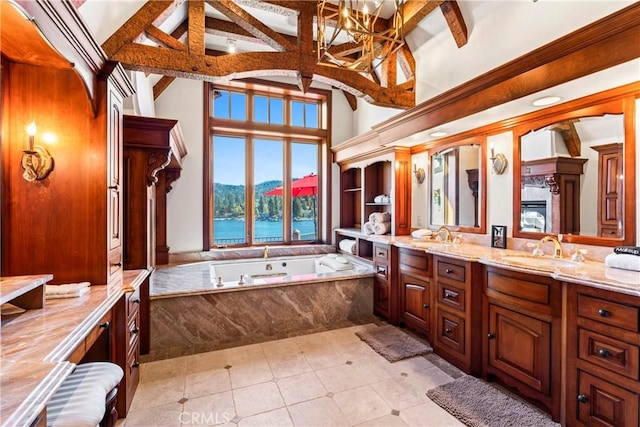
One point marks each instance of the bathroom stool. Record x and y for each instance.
(87, 397)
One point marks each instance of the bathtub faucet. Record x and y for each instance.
(265, 252)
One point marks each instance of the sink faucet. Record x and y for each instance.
(265, 252)
(446, 231)
(556, 243)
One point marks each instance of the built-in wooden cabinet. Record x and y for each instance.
(414, 288)
(603, 358)
(522, 319)
(384, 293)
(114, 180)
(610, 189)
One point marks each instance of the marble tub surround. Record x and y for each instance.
(253, 252)
(195, 323)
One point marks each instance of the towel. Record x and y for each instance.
(380, 217)
(629, 250)
(347, 245)
(421, 234)
(367, 228)
(381, 227)
(623, 261)
(70, 290)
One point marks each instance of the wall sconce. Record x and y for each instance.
(36, 160)
(498, 162)
(419, 173)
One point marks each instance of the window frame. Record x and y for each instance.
(289, 134)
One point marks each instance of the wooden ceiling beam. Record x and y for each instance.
(162, 84)
(407, 62)
(196, 27)
(414, 11)
(164, 39)
(569, 134)
(457, 26)
(351, 99)
(251, 24)
(305, 46)
(215, 26)
(180, 30)
(175, 4)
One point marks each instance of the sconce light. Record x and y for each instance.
(419, 173)
(498, 162)
(36, 160)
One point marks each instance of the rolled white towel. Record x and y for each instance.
(421, 234)
(68, 288)
(347, 245)
(623, 261)
(376, 217)
(70, 293)
(381, 227)
(367, 228)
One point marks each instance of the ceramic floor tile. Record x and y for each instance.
(207, 361)
(257, 398)
(429, 378)
(374, 369)
(209, 410)
(279, 348)
(245, 353)
(429, 415)
(207, 382)
(339, 378)
(164, 415)
(411, 365)
(322, 412)
(386, 421)
(401, 393)
(250, 372)
(156, 393)
(286, 366)
(299, 388)
(277, 418)
(163, 369)
(326, 357)
(341, 336)
(361, 404)
(358, 350)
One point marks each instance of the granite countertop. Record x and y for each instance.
(14, 286)
(589, 273)
(35, 345)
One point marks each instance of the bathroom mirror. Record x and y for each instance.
(574, 169)
(457, 186)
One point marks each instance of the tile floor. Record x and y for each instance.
(325, 379)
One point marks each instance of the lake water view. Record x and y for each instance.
(230, 231)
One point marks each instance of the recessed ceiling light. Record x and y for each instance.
(438, 134)
(546, 100)
(231, 45)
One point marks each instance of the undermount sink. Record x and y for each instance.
(540, 262)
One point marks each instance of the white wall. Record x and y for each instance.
(500, 187)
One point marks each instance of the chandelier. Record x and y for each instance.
(348, 38)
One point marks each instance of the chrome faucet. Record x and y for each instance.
(265, 252)
(556, 243)
(447, 232)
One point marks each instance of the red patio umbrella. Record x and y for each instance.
(305, 186)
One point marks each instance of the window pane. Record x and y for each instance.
(297, 113)
(221, 105)
(228, 190)
(261, 109)
(268, 172)
(276, 114)
(311, 115)
(304, 189)
(238, 106)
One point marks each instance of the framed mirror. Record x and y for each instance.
(457, 177)
(577, 174)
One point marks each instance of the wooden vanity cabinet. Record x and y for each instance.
(382, 280)
(522, 317)
(415, 271)
(458, 312)
(603, 358)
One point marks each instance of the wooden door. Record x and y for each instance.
(520, 346)
(601, 403)
(114, 179)
(415, 300)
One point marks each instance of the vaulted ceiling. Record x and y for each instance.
(178, 38)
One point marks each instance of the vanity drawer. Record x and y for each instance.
(608, 312)
(451, 271)
(102, 326)
(416, 262)
(382, 272)
(609, 353)
(133, 303)
(451, 296)
(503, 285)
(133, 329)
(450, 332)
(381, 253)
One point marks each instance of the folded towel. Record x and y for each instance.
(69, 290)
(629, 250)
(380, 217)
(422, 234)
(347, 245)
(367, 228)
(381, 227)
(623, 261)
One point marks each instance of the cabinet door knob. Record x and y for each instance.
(134, 331)
(425, 305)
(491, 336)
(113, 187)
(603, 352)
(448, 295)
(104, 325)
(604, 313)
(135, 365)
(582, 398)
(448, 271)
(117, 264)
(136, 301)
(447, 331)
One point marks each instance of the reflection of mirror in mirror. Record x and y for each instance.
(571, 177)
(454, 186)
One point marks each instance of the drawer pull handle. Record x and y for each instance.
(425, 305)
(491, 336)
(105, 325)
(582, 398)
(447, 331)
(604, 313)
(136, 301)
(603, 352)
(448, 271)
(134, 331)
(382, 254)
(117, 264)
(449, 295)
(113, 187)
(135, 365)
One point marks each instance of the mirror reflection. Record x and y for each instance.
(454, 186)
(572, 177)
